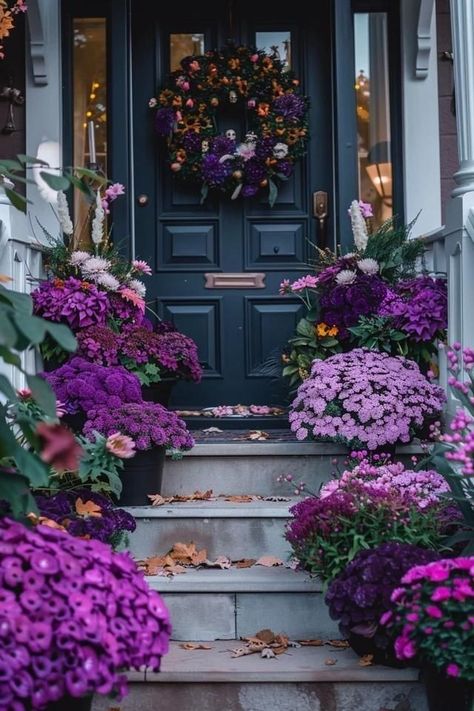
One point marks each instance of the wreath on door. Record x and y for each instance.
(276, 114)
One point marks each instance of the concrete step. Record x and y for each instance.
(210, 604)
(253, 467)
(237, 530)
(299, 680)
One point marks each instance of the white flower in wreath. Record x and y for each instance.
(246, 151)
(280, 150)
(368, 266)
(346, 277)
(251, 137)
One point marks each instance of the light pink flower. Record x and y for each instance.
(141, 266)
(120, 445)
(246, 151)
(24, 393)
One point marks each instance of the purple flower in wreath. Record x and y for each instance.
(214, 172)
(221, 146)
(254, 172)
(285, 167)
(264, 147)
(164, 121)
(192, 141)
(290, 106)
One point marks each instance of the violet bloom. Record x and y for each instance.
(214, 172)
(76, 303)
(94, 618)
(164, 121)
(290, 106)
(421, 309)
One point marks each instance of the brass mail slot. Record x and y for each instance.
(236, 280)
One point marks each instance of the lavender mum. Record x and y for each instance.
(364, 397)
(73, 617)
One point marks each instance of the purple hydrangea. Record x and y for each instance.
(80, 386)
(290, 106)
(74, 617)
(108, 526)
(364, 397)
(221, 145)
(192, 141)
(164, 121)
(148, 424)
(361, 593)
(76, 303)
(98, 344)
(419, 307)
(214, 172)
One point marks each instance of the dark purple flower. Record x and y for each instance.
(285, 167)
(77, 303)
(164, 121)
(254, 171)
(98, 344)
(419, 307)
(342, 305)
(192, 141)
(290, 106)
(214, 172)
(221, 145)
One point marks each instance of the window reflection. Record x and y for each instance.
(276, 42)
(183, 45)
(373, 112)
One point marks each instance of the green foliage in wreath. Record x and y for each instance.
(276, 117)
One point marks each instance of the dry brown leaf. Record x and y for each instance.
(266, 635)
(220, 562)
(244, 562)
(212, 430)
(330, 662)
(158, 500)
(268, 653)
(241, 652)
(196, 496)
(269, 561)
(367, 660)
(187, 554)
(257, 435)
(339, 643)
(281, 640)
(87, 508)
(192, 646)
(311, 642)
(239, 498)
(189, 413)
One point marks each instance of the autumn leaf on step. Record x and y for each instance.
(189, 413)
(330, 662)
(367, 660)
(266, 635)
(87, 508)
(196, 496)
(244, 563)
(158, 500)
(192, 646)
(339, 643)
(212, 430)
(242, 652)
(276, 498)
(268, 653)
(160, 565)
(220, 562)
(257, 435)
(269, 561)
(311, 642)
(187, 554)
(240, 498)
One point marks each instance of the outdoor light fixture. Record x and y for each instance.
(379, 170)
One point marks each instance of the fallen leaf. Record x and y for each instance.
(212, 430)
(266, 636)
(295, 645)
(191, 646)
(268, 653)
(189, 413)
(269, 561)
(196, 496)
(329, 662)
(220, 562)
(292, 564)
(187, 554)
(257, 435)
(276, 498)
(87, 508)
(311, 642)
(239, 498)
(241, 652)
(244, 563)
(158, 500)
(367, 660)
(339, 643)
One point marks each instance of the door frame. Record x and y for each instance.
(118, 14)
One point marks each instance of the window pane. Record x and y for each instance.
(183, 45)
(276, 42)
(373, 112)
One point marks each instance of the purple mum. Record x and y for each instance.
(76, 303)
(419, 307)
(290, 106)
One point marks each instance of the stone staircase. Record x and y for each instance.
(219, 606)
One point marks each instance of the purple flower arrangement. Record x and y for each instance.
(102, 521)
(98, 344)
(418, 307)
(364, 398)
(148, 424)
(361, 593)
(77, 303)
(81, 386)
(343, 304)
(433, 619)
(73, 617)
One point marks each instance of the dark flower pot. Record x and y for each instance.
(68, 703)
(159, 392)
(368, 645)
(142, 475)
(75, 422)
(445, 692)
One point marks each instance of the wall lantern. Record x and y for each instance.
(379, 170)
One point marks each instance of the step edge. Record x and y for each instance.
(278, 675)
(219, 512)
(291, 449)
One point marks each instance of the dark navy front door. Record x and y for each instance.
(236, 328)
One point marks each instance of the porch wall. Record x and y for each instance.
(12, 68)
(447, 121)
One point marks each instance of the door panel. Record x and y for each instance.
(236, 329)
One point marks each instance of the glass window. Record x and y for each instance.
(276, 42)
(183, 45)
(373, 112)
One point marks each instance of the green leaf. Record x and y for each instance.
(312, 315)
(86, 173)
(26, 159)
(272, 193)
(17, 200)
(55, 182)
(21, 302)
(9, 357)
(43, 394)
(15, 490)
(32, 467)
(8, 332)
(10, 164)
(32, 327)
(204, 192)
(7, 389)
(62, 335)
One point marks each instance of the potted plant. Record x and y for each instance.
(365, 507)
(433, 622)
(361, 593)
(74, 616)
(365, 399)
(154, 430)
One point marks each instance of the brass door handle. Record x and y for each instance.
(321, 213)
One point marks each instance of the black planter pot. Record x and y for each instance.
(68, 703)
(159, 392)
(367, 645)
(75, 422)
(142, 475)
(446, 692)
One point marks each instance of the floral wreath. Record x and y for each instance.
(276, 116)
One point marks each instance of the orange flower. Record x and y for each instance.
(323, 330)
(263, 109)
